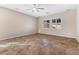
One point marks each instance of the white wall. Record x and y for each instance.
(68, 24)
(13, 24)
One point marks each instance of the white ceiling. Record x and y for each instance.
(49, 8)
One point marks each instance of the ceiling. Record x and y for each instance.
(48, 8)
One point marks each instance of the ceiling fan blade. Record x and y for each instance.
(38, 5)
(41, 8)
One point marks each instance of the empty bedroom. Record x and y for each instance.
(39, 29)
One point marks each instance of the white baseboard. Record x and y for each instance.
(60, 35)
(9, 37)
(77, 38)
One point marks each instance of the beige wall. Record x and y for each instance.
(68, 24)
(13, 24)
(77, 24)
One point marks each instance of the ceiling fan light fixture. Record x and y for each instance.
(36, 8)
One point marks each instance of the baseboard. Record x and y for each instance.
(77, 38)
(59, 35)
(9, 37)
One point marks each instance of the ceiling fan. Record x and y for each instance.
(36, 8)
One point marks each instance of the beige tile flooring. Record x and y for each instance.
(39, 44)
